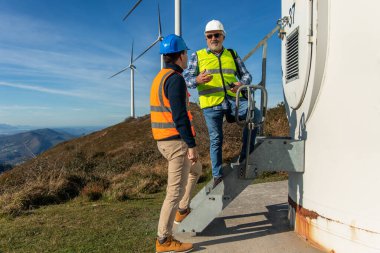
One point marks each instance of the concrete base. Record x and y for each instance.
(256, 221)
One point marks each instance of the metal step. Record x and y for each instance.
(209, 203)
(274, 154)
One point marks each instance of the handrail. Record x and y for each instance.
(249, 120)
(250, 92)
(261, 85)
(264, 40)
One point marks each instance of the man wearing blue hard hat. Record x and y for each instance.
(173, 130)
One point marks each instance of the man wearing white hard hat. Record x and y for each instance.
(217, 73)
(174, 133)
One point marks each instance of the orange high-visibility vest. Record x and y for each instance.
(160, 112)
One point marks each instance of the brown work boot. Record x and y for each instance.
(217, 180)
(172, 245)
(181, 215)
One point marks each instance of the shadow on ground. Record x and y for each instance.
(273, 221)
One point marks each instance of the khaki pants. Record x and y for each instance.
(182, 178)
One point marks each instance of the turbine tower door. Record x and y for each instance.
(297, 50)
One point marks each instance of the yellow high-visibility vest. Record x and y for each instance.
(160, 112)
(223, 70)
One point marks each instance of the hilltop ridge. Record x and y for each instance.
(118, 162)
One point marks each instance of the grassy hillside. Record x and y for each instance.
(119, 167)
(118, 163)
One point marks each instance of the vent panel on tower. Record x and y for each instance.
(292, 67)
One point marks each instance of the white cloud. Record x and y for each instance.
(43, 89)
(17, 29)
(22, 107)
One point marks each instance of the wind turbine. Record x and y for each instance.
(177, 15)
(132, 67)
(159, 37)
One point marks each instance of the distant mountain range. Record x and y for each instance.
(17, 148)
(6, 129)
(5, 167)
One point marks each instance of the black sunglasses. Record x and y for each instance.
(216, 35)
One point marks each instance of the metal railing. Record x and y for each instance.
(250, 89)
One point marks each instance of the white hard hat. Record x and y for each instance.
(215, 25)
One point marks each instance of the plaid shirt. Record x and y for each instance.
(192, 71)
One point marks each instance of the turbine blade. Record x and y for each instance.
(133, 8)
(146, 50)
(124, 69)
(159, 21)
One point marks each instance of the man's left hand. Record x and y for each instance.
(236, 87)
(192, 154)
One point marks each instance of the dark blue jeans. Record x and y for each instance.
(214, 121)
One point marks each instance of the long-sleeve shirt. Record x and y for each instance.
(190, 74)
(175, 90)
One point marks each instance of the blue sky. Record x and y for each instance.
(56, 55)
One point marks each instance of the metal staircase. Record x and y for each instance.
(270, 154)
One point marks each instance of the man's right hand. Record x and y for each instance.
(192, 154)
(204, 77)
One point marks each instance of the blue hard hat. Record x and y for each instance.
(172, 44)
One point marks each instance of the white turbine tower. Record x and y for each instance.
(132, 67)
(177, 19)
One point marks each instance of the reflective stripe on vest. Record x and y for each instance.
(212, 93)
(160, 112)
(163, 125)
(160, 109)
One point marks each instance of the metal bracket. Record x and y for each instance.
(274, 154)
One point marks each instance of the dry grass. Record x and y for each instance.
(120, 162)
(137, 182)
(276, 123)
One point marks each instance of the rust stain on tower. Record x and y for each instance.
(303, 226)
